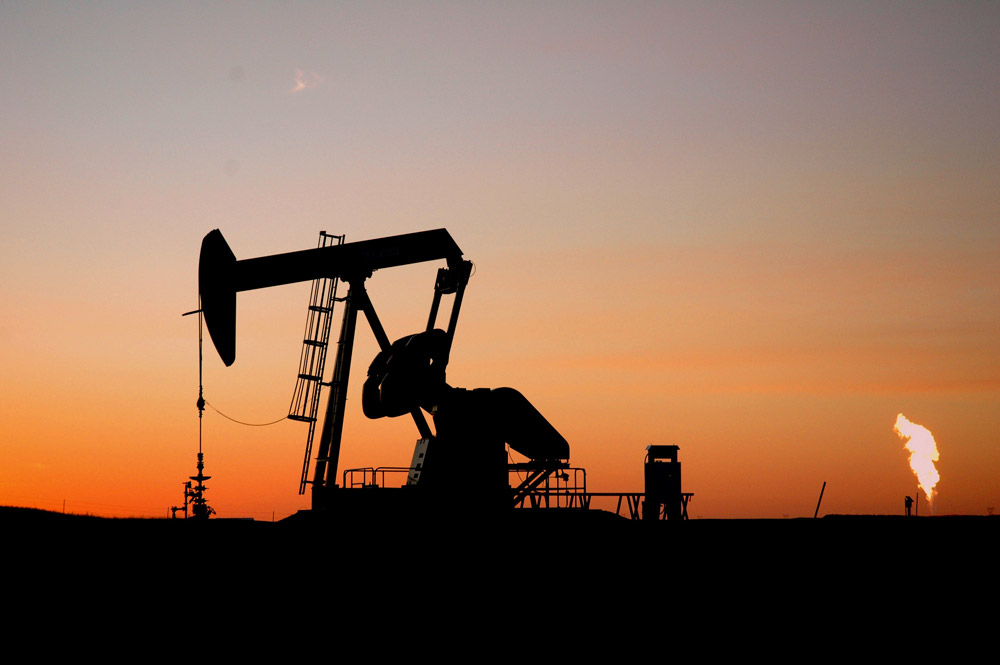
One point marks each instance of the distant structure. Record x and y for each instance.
(200, 510)
(178, 509)
(194, 495)
(663, 485)
(908, 505)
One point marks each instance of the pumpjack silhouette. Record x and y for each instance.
(464, 455)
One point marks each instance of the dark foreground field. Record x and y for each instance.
(547, 575)
(526, 543)
(564, 583)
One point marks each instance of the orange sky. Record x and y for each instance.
(758, 233)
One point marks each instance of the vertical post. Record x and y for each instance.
(436, 302)
(328, 458)
(821, 490)
(464, 269)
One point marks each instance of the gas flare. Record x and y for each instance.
(923, 453)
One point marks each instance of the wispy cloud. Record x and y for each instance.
(305, 80)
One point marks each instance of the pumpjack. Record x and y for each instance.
(406, 377)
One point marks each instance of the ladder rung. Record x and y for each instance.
(301, 419)
(310, 377)
(317, 308)
(314, 342)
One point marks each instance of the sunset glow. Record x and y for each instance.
(750, 230)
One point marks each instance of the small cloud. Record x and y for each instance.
(305, 80)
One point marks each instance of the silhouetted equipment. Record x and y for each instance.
(221, 276)
(195, 496)
(184, 508)
(406, 377)
(908, 505)
(463, 462)
(663, 485)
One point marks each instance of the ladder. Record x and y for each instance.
(305, 397)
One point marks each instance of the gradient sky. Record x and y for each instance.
(754, 230)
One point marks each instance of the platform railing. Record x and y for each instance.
(533, 486)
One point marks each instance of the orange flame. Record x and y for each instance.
(923, 453)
